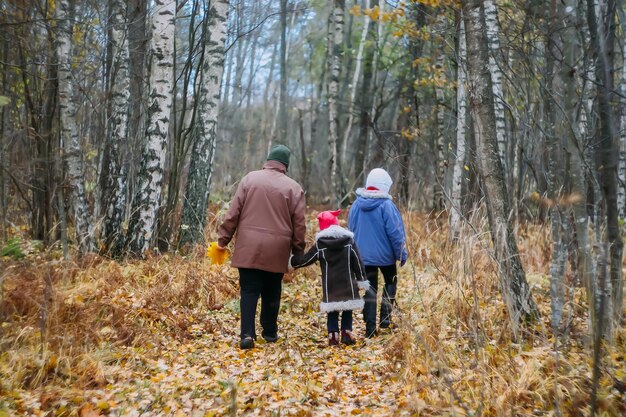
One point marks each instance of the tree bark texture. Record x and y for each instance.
(282, 109)
(440, 145)
(354, 83)
(602, 35)
(115, 179)
(493, 40)
(553, 100)
(336, 42)
(69, 130)
(150, 179)
(515, 289)
(201, 167)
(461, 120)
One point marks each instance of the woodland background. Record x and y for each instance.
(125, 126)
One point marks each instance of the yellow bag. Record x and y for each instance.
(216, 255)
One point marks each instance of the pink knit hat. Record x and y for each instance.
(328, 218)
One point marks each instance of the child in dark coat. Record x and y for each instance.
(343, 274)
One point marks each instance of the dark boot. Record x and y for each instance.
(246, 343)
(386, 306)
(347, 338)
(369, 312)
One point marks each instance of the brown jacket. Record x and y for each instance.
(267, 212)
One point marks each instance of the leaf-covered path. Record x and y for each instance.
(209, 375)
(160, 338)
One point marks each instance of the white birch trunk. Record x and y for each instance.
(355, 80)
(440, 165)
(621, 190)
(373, 147)
(333, 91)
(493, 39)
(201, 167)
(69, 130)
(150, 180)
(116, 181)
(459, 162)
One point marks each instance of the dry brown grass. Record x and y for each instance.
(94, 304)
(452, 352)
(455, 342)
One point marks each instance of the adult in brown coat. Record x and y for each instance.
(267, 213)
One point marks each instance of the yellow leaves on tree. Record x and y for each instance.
(216, 255)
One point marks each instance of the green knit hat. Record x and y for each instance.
(280, 153)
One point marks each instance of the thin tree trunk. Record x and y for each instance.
(282, 102)
(69, 129)
(267, 105)
(602, 43)
(137, 48)
(114, 193)
(355, 82)
(240, 57)
(148, 199)
(333, 90)
(513, 284)
(201, 167)
(304, 168)
(493, 39)
(366, 99)
(440, 159)
(184, 128)
(555, 175)
(375, 148)
(621, 193)
(3, 158)
(570, 129)
(461, 121)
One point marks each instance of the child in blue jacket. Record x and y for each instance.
(379, 235)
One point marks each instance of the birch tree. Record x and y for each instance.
(336, 41)
(621, 192)
(115, 173)
(355, 80)
(201, 167)
(150, 178)
(461, 120)
(602, 35)
(440, 144)
(569, 128)
(366, 100)
(493, 40)
(513, 284)
(553, 91)
(69, 130)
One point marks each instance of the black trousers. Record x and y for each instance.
(390, 274)
(332, 321)
(255, 283)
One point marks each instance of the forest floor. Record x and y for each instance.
(160, 338)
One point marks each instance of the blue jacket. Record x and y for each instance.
(378, 228)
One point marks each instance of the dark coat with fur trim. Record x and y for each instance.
(343, 272)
